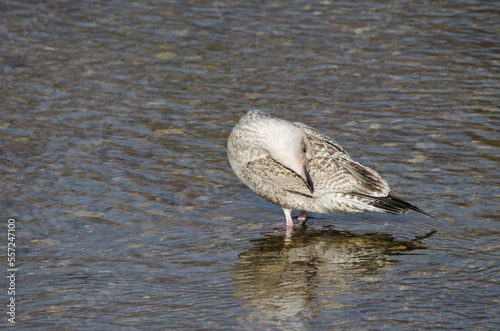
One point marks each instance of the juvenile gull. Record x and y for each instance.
(299, 168)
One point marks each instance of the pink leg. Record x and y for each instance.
(302, 217)
(289, 221)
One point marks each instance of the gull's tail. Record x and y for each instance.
(393, 205)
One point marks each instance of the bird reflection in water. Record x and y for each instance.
(282, 276)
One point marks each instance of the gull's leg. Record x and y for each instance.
(302, 217)
(288, 215)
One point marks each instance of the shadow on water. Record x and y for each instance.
(284, 276)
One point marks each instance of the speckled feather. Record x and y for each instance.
(340, 184)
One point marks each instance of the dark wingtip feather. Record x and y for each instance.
(408, 206)
(395, 205)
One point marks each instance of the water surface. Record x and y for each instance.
(114, 121)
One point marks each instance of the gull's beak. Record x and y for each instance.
(307, 179)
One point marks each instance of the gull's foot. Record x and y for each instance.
(280, 229)
(282, 225)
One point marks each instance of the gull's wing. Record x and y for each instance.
(266, 168)
(332, 169)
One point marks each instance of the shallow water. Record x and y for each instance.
(114, 120)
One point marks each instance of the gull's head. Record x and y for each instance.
(288, 145)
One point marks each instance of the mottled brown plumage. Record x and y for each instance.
(299, 168)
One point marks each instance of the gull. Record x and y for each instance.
(299, 168)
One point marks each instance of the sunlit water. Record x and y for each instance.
(114, 120)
